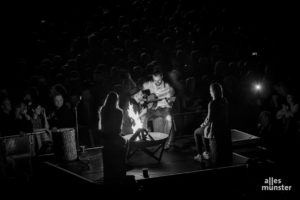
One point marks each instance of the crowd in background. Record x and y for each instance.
(85, 52)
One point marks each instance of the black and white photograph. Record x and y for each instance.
(149, 98)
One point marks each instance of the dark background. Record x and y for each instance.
(277, 19)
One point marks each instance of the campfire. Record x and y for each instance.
(137, 123)
(139, 133)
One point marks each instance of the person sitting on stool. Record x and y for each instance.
(162, 91)
(216, 128)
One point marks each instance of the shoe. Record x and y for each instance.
(205, 155)
(198, 158)
(166, 147)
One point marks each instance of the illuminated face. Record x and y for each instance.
(138, 96)
(158, 79)
(58, 101)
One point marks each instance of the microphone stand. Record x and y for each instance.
(76, 127)
(77, 130)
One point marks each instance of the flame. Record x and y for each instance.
(137, 123)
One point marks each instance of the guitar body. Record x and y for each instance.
(152, 101)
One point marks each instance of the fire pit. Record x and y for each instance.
(141, 139)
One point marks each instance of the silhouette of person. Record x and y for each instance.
(217, 128)
(110, 121)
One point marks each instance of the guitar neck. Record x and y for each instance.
(160, 99)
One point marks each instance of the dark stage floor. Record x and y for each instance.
(176, 170)
(177, 160)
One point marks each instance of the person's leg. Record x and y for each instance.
(206, 144)
(199, 140)
(146, 118)
(168, 129)
(206, 148)
(158, 119)
(166, 118)
(158, 125)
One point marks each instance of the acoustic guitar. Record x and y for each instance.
(150, 101)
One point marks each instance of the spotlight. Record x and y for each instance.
(254, 53)
(257, 87)
(168, 118)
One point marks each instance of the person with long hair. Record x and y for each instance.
(110, 115)
(216, 129)
(110, 121)
(40, 123)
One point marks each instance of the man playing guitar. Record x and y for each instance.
(161, 94)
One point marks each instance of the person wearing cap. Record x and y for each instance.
(135, 99)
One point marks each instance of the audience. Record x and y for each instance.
(7, 118)
(40, 124)
(62, 116)
(107, 50)
(22, 119)
(269, 132)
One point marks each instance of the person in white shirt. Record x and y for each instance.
(161, 94)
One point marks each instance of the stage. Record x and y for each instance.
(177, 171)
(175, 161)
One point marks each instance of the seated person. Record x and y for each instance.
(22, 119)
(38, 117)
(40, 123)
(7, 118)
(217, 129)
(161, 106)
(62, 117)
